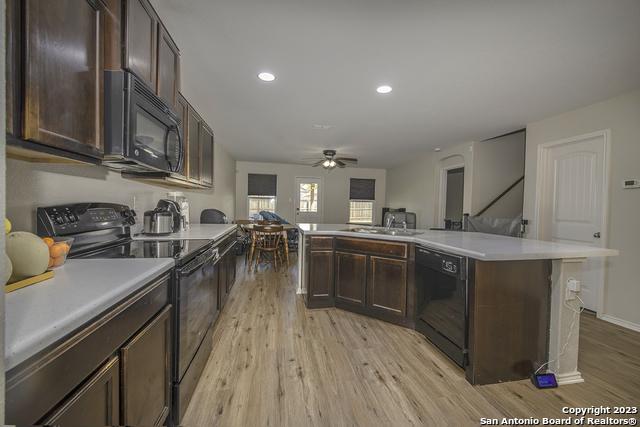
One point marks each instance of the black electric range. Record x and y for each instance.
(181, 250)
(103, 230)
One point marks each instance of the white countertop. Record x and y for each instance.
(39, 315)
(195, 231)
(481, 246)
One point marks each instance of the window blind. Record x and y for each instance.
(262, 184)
(362, 189)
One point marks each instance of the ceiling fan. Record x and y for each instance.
(330, 161)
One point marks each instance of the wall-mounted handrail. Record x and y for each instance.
(504, 193)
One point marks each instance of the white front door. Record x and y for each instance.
(308, 200)
(575, 193)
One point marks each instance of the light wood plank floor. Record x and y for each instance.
(275, 363)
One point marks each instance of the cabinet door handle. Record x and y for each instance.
(596, 235)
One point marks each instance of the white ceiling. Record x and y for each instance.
(460, 70)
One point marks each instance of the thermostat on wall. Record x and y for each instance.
(631, 183)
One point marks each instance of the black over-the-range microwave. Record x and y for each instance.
(142, 133)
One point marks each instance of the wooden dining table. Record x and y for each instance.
(285, 227)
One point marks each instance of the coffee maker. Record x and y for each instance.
(174, 209)
(182, 201)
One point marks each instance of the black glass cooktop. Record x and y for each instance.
(177, 249)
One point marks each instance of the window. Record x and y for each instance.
(309, 197)
(262, 194)
(361, 211)
(362, 193)
(261, 203)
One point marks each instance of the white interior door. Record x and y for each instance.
(308, 200)
(575, 204)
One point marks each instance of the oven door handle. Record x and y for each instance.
(197, 263)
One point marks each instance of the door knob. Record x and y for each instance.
(596, 235)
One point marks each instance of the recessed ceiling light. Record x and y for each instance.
(384, 89)
(266, 77)
(437, 149)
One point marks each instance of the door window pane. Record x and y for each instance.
(308, 197)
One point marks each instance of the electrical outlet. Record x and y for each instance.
(573, 287)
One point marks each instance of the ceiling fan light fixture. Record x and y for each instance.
(327, 163)
(332, 164)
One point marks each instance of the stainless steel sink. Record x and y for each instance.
(383, 231)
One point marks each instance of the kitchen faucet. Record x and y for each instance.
(390, 220)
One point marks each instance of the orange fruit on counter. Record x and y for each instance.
(58, 261)
(58, 250)
(48, 240)
(51, 261)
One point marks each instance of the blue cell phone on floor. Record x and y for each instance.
(544, 380)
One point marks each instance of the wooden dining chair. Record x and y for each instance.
(267, 241)
(245, 237)
(268, 222)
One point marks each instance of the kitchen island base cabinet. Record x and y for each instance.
(509, 303)
(369, 277)
(351, 278)
(146, 370)
(96, 403)
(387, 286)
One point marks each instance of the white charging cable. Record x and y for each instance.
(576, 316)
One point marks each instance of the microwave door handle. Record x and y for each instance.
(176, 126)
(173, 128)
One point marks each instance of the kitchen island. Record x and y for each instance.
(516, 313)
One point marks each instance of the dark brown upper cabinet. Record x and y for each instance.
(168, 84)
(206, 155)
(141, 40)
(193, 141)
(61, 105)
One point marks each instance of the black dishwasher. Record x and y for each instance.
(442, 306)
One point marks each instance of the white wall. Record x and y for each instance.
(497, 164)
(334, 194)
(30, 185)
(622, 115)
(416, 185)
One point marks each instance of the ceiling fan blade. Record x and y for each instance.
(340, 164)
(318, 163)
(347, 159)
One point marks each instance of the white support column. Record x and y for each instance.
(564, 330)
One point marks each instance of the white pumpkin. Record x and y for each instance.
(28, 253)
(8, 270)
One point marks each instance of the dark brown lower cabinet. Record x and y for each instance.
(320, 282)
(387, 285)
(96, 403)
(351, 278)
(146, 373)
(226, 274)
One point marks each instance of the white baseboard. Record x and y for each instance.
(620, 322)
(570, 378)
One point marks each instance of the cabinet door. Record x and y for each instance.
(63, 75)
(351, 277)
(320, 277)
(206, 156)
(183, 114)
(194, 145)
(387, 285)
(146, 363)
(96, 403)
(168, 83)
(140, 41)
(223, 291)
(231, 269)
